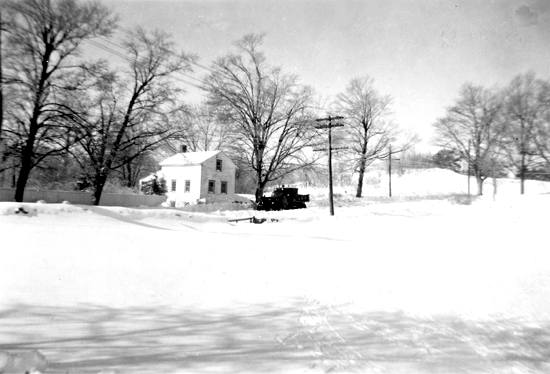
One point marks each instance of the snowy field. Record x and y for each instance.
(412, 284)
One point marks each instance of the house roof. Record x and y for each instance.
(189, 158)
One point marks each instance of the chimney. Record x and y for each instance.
(183, 148)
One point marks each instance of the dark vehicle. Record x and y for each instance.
(283, 198)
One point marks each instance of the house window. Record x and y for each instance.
(224, 188)
(218, 165)
(187, 186)
(173, 186)
(211, 186)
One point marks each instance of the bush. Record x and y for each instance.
(447, 159)
(154, 186)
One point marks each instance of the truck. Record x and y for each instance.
(283, 198)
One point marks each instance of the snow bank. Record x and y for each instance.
(35, 209)
(213, 207)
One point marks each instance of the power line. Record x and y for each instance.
(127, 58)
(126, 31)
(105, 48)
(123, 56)
(110, 42)
(165, 50)
(134, 35)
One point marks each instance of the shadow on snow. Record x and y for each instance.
(272, 338)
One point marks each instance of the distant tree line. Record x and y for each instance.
(499, 130)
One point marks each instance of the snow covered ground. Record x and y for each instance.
(402, 285)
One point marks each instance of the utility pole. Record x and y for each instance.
(329, 126)
(389, 168)
(389, 171)
(495, 164)
(469, 167)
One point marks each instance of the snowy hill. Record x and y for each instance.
(430, 182)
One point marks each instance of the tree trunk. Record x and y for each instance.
(362, 167)
(99, 183)
(479, 181)
(24, 173)
(28, 151)
(260, 183)
(494, 186)
(260, 186)
(26, 164)
(522, 173)
(129, 174)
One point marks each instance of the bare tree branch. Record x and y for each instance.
(266, 109)
(475, 127)
(43, 36)
(369, 130)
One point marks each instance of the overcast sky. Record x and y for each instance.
(418, 51)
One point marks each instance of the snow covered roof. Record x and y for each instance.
(188, 158)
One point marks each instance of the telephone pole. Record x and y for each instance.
(389, 171)
(329, 126)
(389, 168)
(469, 167)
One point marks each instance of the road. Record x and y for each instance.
(96, 290)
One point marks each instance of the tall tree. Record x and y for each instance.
(370, 131)
(524, 108)
(1, 78)
(200, 130)
(43, 36)
(130, 113)
(267, 108)
(542, 130)
(475, 128)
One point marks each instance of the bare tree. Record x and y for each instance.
(137, 162)
(266, 108)
(129, 114)
(475, 128)
(370, 131)
(542, 130)
(523, 111)
(200, 130)
(43, 36)
(2, 30)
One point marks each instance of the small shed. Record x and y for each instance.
(198, 176)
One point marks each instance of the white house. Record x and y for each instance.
(193, 176)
